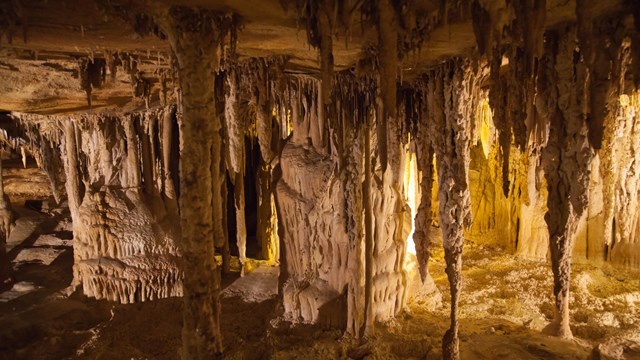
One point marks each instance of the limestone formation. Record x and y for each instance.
(6, 223)
(452, 105)
(192, 35)
(125, 243)
(331, 159)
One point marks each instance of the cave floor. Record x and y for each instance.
(506, 301)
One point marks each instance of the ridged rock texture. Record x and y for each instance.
(528, 138)
(125, 238)
(6, 223)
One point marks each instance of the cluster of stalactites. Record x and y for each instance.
(148, 146)
(96, 71)
(278, 99)
(34, 135)
(401, 28)
(511, 35)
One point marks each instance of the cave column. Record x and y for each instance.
(52, 166)
(167, 129)
(421, 235)
(266, 212)
(241, 228)
(236, 161)
(147, 157)
(133, 169)
(450, 133)
(194, 36)
(368, 234)
(566, 160)
(6, 219)
(266, 221)
(70, 162)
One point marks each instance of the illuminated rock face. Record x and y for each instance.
(531, 142)
(125, 238)
(321, 204)
(125, 234)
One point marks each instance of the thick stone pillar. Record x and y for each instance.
(6, 220)
(194, 36)
(449, 102)
(70, 162)
(566, 160)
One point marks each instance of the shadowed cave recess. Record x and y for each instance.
(320, 179)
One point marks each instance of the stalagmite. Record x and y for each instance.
(192, 34)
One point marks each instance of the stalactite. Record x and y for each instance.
(601, 68)
(608, 73)
(101, 159)
(618, 159)
(514, 30)
(255, 77)
(92, 75)
(624, 246)
(263, 106)
(193, 33)
(526, 32)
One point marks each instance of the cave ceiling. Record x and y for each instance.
(43, 41)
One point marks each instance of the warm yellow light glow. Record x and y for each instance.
(287, 128)
(486, 126)
(411, 194)
(624, 100)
